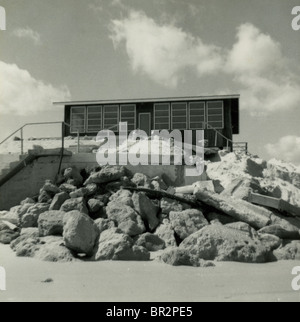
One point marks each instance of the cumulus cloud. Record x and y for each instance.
(163, 52)
(287, 148)
(255, 63)
(22, 94)
(28, 33)
(262, 72)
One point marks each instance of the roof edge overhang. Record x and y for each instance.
(149, 100)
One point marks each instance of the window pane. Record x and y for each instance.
(111, 117)
(179, 116)
(94, 118)
(197, 115)
(215, 114)
(162, 116)
(128, 115)
(78, 119)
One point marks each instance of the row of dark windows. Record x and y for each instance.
(168, 116)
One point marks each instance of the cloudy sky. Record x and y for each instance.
(57, 50)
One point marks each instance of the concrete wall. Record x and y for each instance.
(6, 159)
(28, 182)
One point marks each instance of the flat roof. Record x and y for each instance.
(147, 100)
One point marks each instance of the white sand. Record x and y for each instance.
(144, 281)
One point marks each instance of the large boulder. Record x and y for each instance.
(187, 222)
(151, 242)
(50, 188)
(244, 227)
(87, 191)
(289, 226)
(122, 196)
(104, 224)
(8, 233)
(73, 174)
(290, 250)
(44, 197)
(214, 217)
(107, 174)
(280, 232)
(95, 205)
(78, 204)
(80, 233)
(25, 246)
(181, 257)
(52, 249)
(58, 200)
(241, 188)
(147, 209)
(114, 245)
(127, 219)
(16, 213)
(27, 201)
(271, 242)
(167, 205)
(30, 219)
(158, 184)
(223, 243)
(68, 188)
(51, 223)
(141, 180)
(30, 232)
(166, 233)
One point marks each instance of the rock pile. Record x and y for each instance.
(104, 214)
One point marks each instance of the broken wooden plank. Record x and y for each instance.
(264, 200)
(275, 203)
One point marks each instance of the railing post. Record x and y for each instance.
(22, 144)
(216, 138)
(78, 141)
(62, 136)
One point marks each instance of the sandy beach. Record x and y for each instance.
(144, 281)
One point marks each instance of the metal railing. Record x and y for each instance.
(21, 130)
(234, 145)
(239, 145)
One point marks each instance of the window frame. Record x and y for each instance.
(154, 108)
(207, 113)
(189, 115)
(186, 116)
(120, 116)
(85, 118)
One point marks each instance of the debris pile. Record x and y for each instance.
(110, 214)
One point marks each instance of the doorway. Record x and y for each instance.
(145, 122)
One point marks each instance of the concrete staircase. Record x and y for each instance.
(12, 168)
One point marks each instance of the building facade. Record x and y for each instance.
(209, 113)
